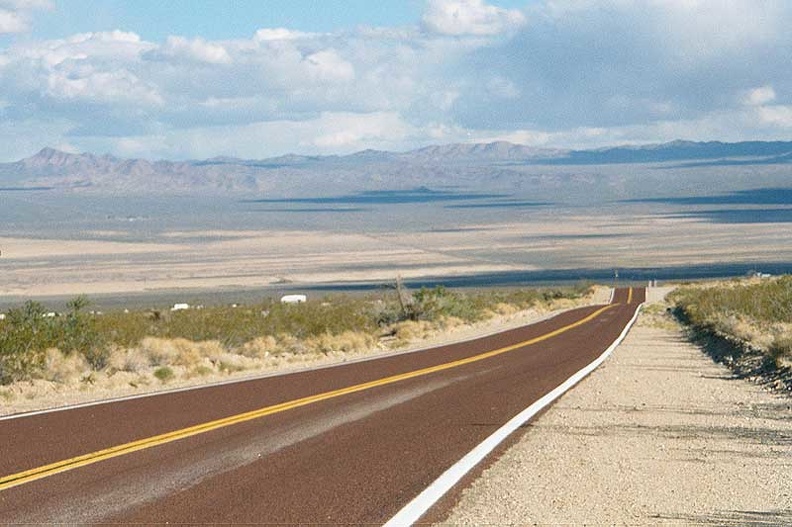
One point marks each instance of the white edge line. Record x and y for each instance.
(256, 377)
(413, 511)
(612, 294)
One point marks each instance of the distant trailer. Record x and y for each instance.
(293, 299)
(180, 307)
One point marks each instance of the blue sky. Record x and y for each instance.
(221, 19)
(183, 79)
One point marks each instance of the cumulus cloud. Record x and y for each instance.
(119, 86)
(11, 22)
(197, 49)
(470, 17)
(15, 14)
(328, 65)
(558, 73)
(779, 116)
(759, 96)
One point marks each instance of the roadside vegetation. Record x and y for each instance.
(744, 323)
(147, 347)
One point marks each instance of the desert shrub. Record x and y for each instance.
(26, 335)
(163, 373)
(432, 304)
(193, 339)
(77, 332)
(745, 311)
(766, 301)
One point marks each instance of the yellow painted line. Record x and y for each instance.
(629, 295)
(20, 478)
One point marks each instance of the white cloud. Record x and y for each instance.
(119, 46)
(329, 133)
(686, 30)
(119, 86)
(196, 49)
(327, 65)
(759, 96)
(582, 73)
(11, 22)
(778, 116)
(15, 14)
(470, 17)
(349, 132)
(280, 33)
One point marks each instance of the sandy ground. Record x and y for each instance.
(228, 258)
(658, 434)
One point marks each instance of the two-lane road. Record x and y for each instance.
(347, 444)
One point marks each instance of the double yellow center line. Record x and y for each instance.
(65, 465)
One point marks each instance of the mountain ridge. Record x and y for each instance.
(54, 168)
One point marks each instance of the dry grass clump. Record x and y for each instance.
(260, 347)
(346, 342)
(504, 309)
(63, 368)
(132, 360)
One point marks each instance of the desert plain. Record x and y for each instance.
(105, 263)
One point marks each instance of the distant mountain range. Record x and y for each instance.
(54, 169)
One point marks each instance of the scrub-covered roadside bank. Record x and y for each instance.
(143, 352)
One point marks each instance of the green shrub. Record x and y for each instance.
(25, 336)
(766, 301)
(163, 373)
(743, 311)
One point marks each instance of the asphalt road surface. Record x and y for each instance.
(346, 444)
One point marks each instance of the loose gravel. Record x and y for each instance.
(658, 434)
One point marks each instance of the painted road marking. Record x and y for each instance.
(421, 504)
(629, 296)
(28, 476)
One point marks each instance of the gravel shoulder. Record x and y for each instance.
(658, 434)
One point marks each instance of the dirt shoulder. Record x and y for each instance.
(658, 434)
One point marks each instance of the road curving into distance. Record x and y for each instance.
(353, 443)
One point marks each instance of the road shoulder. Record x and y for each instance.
(658, 434)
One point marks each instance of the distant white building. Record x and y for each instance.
(180, 307)
(293, 299)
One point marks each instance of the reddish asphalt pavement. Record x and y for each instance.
(349, 456)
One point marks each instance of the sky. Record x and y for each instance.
(194, 79)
